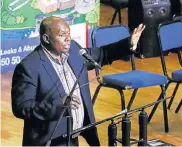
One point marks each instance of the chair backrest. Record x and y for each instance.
(178, 17)
(170, 35)
(170, 38)
(110, 34)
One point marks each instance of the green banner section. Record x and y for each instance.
(20, 23)
(16, 14)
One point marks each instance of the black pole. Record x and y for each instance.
(69, 125)
(112, 134)
(143, 121)
(66, 105)
(126, 127)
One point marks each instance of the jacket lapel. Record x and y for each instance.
(75, 62)
(51, 72)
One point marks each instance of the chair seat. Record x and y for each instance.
(177, 75)
(135, 79)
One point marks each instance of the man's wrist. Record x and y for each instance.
(132, 45)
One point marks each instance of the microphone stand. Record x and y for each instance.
(65, 106)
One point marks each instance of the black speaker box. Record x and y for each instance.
(151, 13)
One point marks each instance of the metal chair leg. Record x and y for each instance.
(117, 11)
(173, 95)
(114, 16)
(179, 106)
(165, 109)
(132, 99)
(119, 16)
(156, 105)
(154, 109)
(122, 99)
(96, 94)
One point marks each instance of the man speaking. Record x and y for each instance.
(43, 79)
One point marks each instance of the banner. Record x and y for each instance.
(20, 22)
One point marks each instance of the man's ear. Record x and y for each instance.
(45, 38)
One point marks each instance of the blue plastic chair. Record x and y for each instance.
(175, 18)
(133, 79)
(170, 38)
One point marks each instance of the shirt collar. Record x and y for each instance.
(54, 57)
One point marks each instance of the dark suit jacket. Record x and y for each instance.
(37, 92)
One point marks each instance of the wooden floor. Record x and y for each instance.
(108, 102)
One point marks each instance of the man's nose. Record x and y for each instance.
(68, 38)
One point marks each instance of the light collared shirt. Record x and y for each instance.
(67, 78)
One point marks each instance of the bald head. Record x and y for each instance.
(55, 34)
(52, 23)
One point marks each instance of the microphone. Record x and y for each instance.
(84, 53)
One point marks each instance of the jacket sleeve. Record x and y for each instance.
(23, 94)
(105, 55)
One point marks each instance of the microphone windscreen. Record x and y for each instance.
(82, 51)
